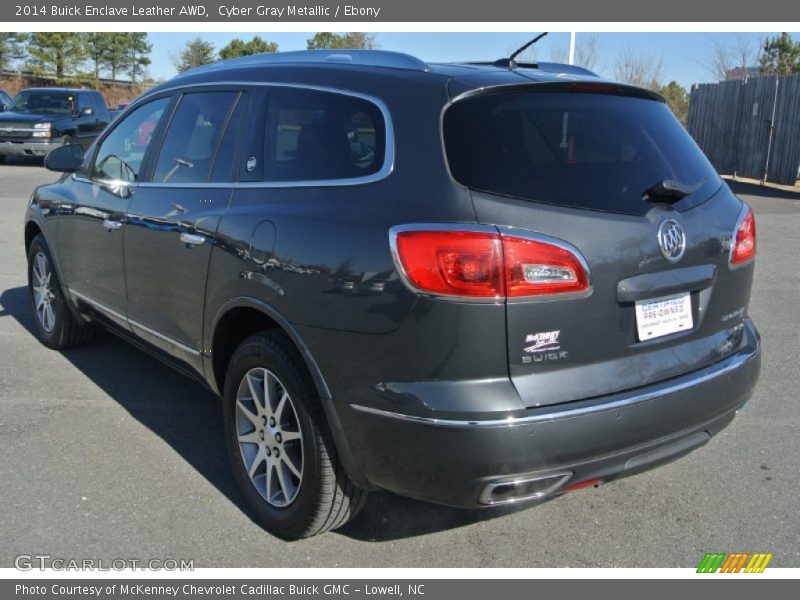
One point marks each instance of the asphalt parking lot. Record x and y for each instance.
(106, 453)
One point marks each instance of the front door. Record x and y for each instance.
(91, 225)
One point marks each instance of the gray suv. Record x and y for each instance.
(471, 284)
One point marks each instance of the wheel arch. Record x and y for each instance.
(226, 332)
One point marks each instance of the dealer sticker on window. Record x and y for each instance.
(662, 316)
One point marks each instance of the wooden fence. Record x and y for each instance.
(732, 121)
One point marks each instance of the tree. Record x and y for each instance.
(195, 53)
(677, 99)
(354, 40)
(780, 56)
(239, 47)
(139, 49)
(97, 47)
(732, 61)
(56, 53)
(11, 48)
(587, 52)
(638, 68)
(117, 53)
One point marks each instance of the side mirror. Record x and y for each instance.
(65, 159)
(87, 111)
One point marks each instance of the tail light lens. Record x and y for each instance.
(744, 247)
(482, 264)
(453, 263)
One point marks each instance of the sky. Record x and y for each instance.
(684, 54)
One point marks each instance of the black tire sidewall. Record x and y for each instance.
(52, 339)
(289, 522)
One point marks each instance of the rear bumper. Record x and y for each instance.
(461, 461)
(27, 148)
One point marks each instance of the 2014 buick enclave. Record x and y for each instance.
(472, 284)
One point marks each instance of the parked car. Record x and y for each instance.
(533, 281)
(40, 119)
(5, 100)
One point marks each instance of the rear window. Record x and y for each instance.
(582, 150)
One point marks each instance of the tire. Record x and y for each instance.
(2, 159)
(54, 323)
(323, 497)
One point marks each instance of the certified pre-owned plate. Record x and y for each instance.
(662, 316)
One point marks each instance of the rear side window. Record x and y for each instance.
(583, 150)
(191, 140)
(315, 135)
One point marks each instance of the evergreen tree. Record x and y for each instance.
(238, 47)
(56, 53)
(195, 53)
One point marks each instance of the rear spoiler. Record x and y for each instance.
(581, 86)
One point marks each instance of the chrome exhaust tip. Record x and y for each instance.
(521, 488)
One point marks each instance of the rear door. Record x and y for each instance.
(172, 221)
(582, 167)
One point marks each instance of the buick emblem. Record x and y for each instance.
(671, 240)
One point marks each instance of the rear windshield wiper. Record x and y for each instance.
(669, 190)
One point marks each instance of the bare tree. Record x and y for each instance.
(638, 68)
(745, 50)
(731, 61)
(587, 51)
(720, 61)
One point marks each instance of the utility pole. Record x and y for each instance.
(571, 59)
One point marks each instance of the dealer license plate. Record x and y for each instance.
(662, 316)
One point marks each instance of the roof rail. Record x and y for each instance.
(370, 58)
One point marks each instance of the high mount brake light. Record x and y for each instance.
(485, 264)
(744, 245)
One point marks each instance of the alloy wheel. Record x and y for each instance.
(43, 295)
(269, 436)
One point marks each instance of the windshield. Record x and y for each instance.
(585, 150)
(43, 103)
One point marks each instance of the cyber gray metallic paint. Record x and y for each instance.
(317, 261)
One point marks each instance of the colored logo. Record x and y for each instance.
(735, 562)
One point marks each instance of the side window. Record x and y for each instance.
(314, 135)
(120, 156)
(192, 137)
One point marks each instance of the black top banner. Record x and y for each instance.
(440, 11)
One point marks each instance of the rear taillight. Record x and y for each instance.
(453, 263)
(744, 246)
(486, 264)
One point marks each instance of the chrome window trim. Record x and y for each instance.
(388, 156)
(689, 381)
(119, 316)
(492, 229)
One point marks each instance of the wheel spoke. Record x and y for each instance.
(254, 394)
(259, 458)
(281, 406)
(288, 436)
(289, 463)
(270, 469)
(282, 481)
(252, 417)
(50, 316)
(249, 438)
(41, 264)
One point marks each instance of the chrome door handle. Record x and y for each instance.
(111, 224)
(192, 239)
